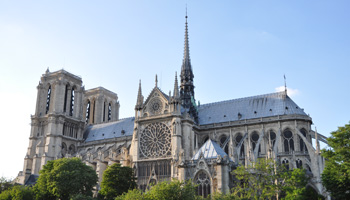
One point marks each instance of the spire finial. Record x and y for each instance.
(139, 101)
(285, 84)
(156, 80)
(176, 87)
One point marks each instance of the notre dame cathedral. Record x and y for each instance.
(170, 136)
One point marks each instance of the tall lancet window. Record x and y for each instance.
(104, 111)
(109, 111)
(288, 141)
(87, 117)
(203, 183)
(301, 141)
(237, 141)
(272, 138)
(255, 138)
(224, 143)
(71, 110)
(65, 99)
(48, 99)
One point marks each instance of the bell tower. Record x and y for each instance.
(57, 125)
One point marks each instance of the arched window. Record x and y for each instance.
(71, 103)
(301, 141)
(285, 162)
(203, 181)
(71, 149)
(64, 149)
(48, 99)
(237, 141)
(299, 164)
(288, 141)
(65, 99)
(109, 112)
(93, 111)
(224, 143)
(87, 117)
(104, 111)
(272, 138)
(64, 128)
(254, 139)
(205, 139)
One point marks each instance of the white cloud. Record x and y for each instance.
(290, 91)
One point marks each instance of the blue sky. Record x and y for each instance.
(237, 49)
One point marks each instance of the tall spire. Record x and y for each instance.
(176, 88)
(186, 63)
(139, 101)
(187, 87)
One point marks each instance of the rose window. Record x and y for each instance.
(155, 141)
(156, 106)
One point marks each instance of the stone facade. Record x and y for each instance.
(169, 136)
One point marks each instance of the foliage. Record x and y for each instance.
(116, 180)
(134, 194)
(5, 184)
(81, 197)
(336, 175)
(174, 190)
(17, 192)
(65, 178)
(265, 179)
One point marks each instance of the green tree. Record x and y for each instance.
(5, 184)
(17, 192)
(116, 180)
(336, 174)
(173, 190)
(134, 194)
(265, 179)
(65, 178)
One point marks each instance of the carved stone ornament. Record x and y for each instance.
(155, 141)
(156, 106)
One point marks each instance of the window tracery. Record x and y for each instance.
(254, 140)
(301, 141)
(71, 109)
(204, 184)
(288, 141)
(109, 112)
(87, 117)
(155, 141)
(48, 99)
(285, 162)
(237, 141)
(224, 143)
(272, 138)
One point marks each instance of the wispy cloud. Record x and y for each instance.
(290, 91)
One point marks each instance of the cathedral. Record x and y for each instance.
(170, 136)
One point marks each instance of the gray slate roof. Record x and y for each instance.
(210, 150)
(266, 105)
(110, 130)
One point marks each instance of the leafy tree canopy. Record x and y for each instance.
(116, 180)
(174, 190)
(17, 192)
(5, 184)
(65, 178)
(266, 179)
(336, 175)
